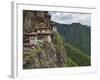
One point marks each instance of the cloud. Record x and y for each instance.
(69, 18)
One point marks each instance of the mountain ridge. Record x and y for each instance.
(77, 34)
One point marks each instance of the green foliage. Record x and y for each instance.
(58, 42)
(76, 55)
(77, 34)
(70, 63)
(58, 39)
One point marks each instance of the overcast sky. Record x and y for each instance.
(69, 18)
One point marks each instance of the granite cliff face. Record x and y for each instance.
(45, 54)
(32, 19)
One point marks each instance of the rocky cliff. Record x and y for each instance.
(46, 55)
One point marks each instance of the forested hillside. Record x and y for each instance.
(77, 42)
(76, 34)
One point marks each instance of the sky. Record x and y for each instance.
(69, 18)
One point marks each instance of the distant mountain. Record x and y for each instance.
(76, 34)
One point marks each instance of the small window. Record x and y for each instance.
(32, 38)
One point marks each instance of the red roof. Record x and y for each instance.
(42, 28)
(38, 33)
(45, 32)
(28, 44)
(32, 33)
